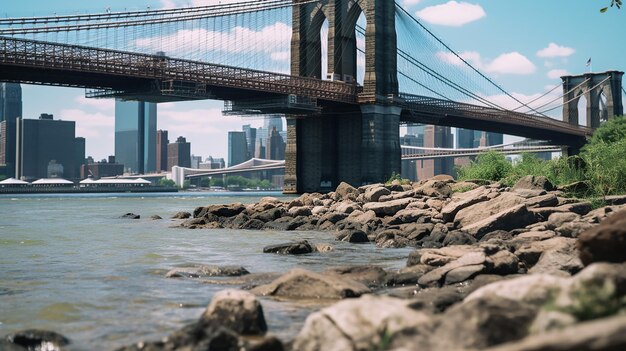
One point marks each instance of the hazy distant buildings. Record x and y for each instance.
(196, 161)
(161, 150)
(104, 168)
(179, 154)
(430, 137)
(275, 149)
(237, 148)
(10, 110)
(47, 148)
(135, 135)
(251, 140)
(213, 163)
(470, 139)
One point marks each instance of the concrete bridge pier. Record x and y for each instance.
(357, 147)
(380, 143)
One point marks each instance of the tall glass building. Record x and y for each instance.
(135, 135)
(10, 110)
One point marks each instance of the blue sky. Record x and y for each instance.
(525, 45)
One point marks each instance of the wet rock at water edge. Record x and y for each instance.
(303, 284)
(130, 215)
(181, 215)
(34, 339)
(293, 248)
(237, 310)
(207, 271)
(155, 217)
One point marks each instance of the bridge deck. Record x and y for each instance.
(70, 65)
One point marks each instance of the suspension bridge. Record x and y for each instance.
(345, 73)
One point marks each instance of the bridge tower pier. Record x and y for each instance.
(359, 144)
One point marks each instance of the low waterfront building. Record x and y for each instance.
(51, 182)
(102, 169)
(12, 183)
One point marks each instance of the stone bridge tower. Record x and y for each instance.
(357, 144)
(603, 92)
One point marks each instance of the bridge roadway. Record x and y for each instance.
(160, 78)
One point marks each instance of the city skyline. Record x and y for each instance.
(526, 62)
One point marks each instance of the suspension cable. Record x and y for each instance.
(564, 94)
(462, 59)
(533, 100)
(572, 99)
(216, 12)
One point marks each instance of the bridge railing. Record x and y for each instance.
(423, 104)
(55, 56)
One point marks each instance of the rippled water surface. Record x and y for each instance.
(68, 263)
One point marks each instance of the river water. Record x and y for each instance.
(69, 263)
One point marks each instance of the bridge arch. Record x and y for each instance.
(602, 92)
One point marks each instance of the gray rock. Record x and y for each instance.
(458, 237)
(457, 204)
(299, 211)
(207, 271)
(300, 283)
(512, 218)
(293, 248)
(346, 191)
(436, 276)
(181, 215)
(373, 194)
(352, 236)
(434, 188)
(35, 339)
(388, 208)
(607, 334)
(605, 242)
(481, 323)
(130, 216)
(371, 276)
(230, 210)
(559, 218)
(534, 183)
(360, 324)
(485, 209)
(236, 310)
(464, 273)
(542, 201)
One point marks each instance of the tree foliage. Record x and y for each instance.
(614, 3)
(601, 164)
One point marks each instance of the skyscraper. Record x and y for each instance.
(46, 148)
(161, 150)
(469, 139)
(441, 137)
(275, 149)
(135, 135)
(179, 154)
(250, 140)
(10, 110)
(237, 148)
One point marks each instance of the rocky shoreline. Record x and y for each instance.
(494, 268)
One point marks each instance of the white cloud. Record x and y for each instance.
(507, 63)
(452, 13)
(511, 63)
(98, 128)
(107, 105)
(557, 73)
(281, 56)
(409, 3)
(550, 100)
(554, 50)
(239, 39)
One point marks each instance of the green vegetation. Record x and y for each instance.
(395, 176)
(614, 3)
(600, 168)
(167, 182)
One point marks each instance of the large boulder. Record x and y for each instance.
(346, 191)
(373, 194)
(460, 269)
(607, 334)
(230, 210)
(300, 283)
(534, 183)
(459, 203)
(360, 325)
(482, 323)
(388, 208)
(236, 310)
(552, 256)
(434, 188)
(508, 219)
(485, 209)
(606, 242)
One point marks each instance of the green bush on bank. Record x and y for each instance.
(601, 164)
